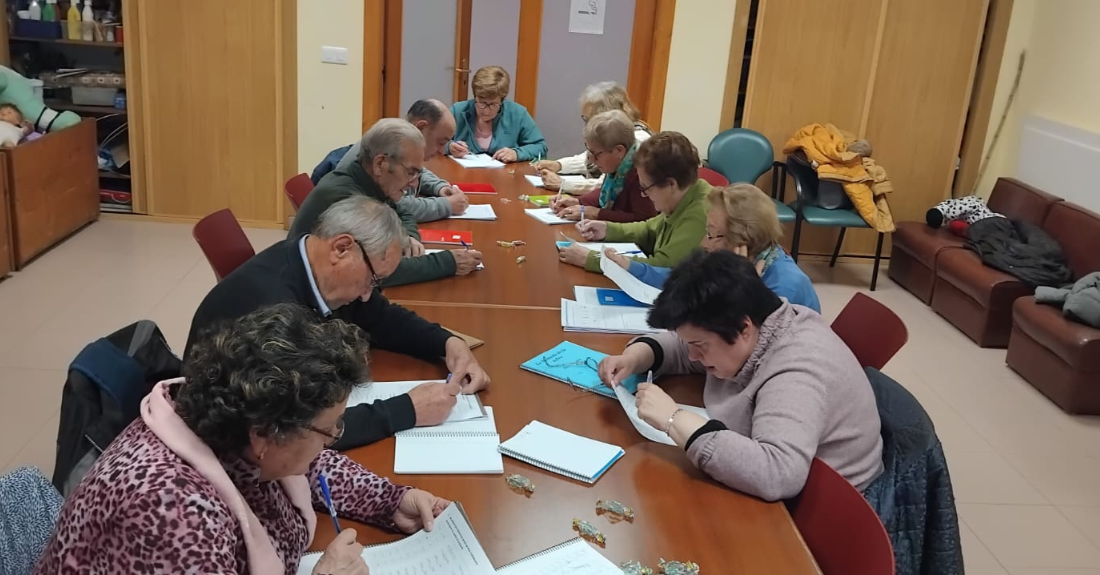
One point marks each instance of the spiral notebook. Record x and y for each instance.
(564, 453)
(573, 556)
(467, 447)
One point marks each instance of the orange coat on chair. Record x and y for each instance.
(864, 181)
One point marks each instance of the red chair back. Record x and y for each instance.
(297, 188)
(223, 242)
(713, 178)
(842, 531)
(872, 331)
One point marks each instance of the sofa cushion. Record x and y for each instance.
(1019, 201)
(1076, 343)
(924, 242)
(992, 289)
(1077, 230)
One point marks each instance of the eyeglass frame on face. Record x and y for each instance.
(333, 437)
(415, 173)
(375, 281)
(644, 190)
(595, 155)
(483, 105)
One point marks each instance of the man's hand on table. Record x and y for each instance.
(462, 365)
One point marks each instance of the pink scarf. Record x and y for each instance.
(159, 413)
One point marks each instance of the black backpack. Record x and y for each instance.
(103, 394)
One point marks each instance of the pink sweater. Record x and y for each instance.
(800, 395)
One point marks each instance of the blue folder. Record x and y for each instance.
(609, 296)
(570, 363)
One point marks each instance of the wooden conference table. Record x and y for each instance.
(680, 513)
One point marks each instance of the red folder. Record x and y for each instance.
(449, 237)
(475, 188)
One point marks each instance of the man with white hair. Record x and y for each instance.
(390, 158)
(337, 270)
(435, 198)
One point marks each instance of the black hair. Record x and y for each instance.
(715, 292)
(424, 110)
(273, 371)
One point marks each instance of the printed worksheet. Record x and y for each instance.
(468, 407)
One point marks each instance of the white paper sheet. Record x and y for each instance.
(468, 407)
(630, 406)
(624, 248)
(480, 266)
(633, 286)
(463, 447)
(478, 161)
(574, 556)
(587, 16)
(546, 216)
(538, 183)
(604, 318)
(451, 547)
(477, 212)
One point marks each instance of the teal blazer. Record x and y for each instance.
(512, 128)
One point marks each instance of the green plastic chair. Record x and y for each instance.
(743, 155)
(807, 209)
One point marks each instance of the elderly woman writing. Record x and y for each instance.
(489, 124)
(742, 219)
(609, 139)
(668, 174)
(220, 472)
(781, 387)
(596, 99)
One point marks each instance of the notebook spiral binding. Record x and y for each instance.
(542, 553)
(546, 466)
(446, 434)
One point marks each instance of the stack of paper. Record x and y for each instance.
(477, 212)
(478, 161)
(604, 318)
(633, 286)
(538, 183)
(576, 365)
(622, 248)
(547, 216)
(480, 266)
(587, 295)
(567, 454)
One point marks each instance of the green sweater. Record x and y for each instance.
(344, 183)
(666, 240)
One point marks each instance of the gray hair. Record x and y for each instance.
(610, 129)
(605, 96)
(373, 224)
(387, 137)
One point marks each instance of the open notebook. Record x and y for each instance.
(478, 161)
(450, 548)
(477, 212)
(572, 557)
(538, 183)
(468, 406)
(546, 216)
(564, 453)
(454, 447)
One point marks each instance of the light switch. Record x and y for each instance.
(334, 55)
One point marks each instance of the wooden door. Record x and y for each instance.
(896, 73)
(218, 92)
(6, 261)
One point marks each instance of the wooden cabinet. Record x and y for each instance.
(5, 224)
(216, 101)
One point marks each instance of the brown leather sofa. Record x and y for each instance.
(978, 299)
(917, 247)
(1059, 357)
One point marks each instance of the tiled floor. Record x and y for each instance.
(1027, 476)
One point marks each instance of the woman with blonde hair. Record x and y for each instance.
(596, 99)
(490, 124)
(610, 142)
(742, 219)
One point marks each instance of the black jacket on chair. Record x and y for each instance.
(913, 496)
(278, 275)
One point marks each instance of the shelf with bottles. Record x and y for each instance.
(65, 22)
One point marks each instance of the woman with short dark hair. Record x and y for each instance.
(220, 473)
(781, 387)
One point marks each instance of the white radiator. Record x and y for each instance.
(1060, 159)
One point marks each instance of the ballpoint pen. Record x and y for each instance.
(464, 244)
(582, 212)
(328, 500)
(629, 253)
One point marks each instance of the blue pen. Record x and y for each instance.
(582, 213)
(649, 377)
(631, 252)
(328, 500)
(464, 244)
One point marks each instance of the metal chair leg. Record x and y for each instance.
(797, 235)
(878, 257)
(836, 250)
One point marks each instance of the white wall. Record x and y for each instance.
(330, 96)
(697, 63)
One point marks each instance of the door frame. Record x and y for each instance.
(382, 23)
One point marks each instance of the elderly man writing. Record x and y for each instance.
(435, 198)
(337, 270)
(391, 158)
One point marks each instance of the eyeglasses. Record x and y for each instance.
(411, 173)
(718, 237)
(644, 189)
(487, 106)
(595, 155)
(375, 281)
(333, 437)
